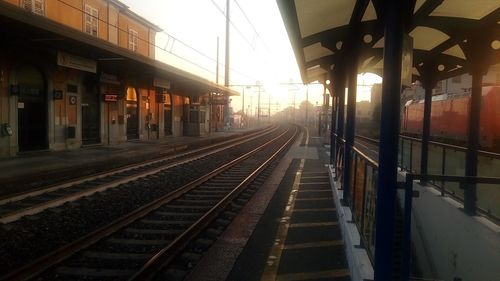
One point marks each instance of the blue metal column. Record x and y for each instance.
(333, 120)
(470, 195)
(333, 139)
(350, 124)
(429, 83)
(339, 90)
(389, 133)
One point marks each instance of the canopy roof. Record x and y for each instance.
(449, 36)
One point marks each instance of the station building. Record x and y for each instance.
(75, 73)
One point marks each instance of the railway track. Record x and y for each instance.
(33, 202)
(137, 246)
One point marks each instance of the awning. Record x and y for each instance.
(447, 34)
(20, 25)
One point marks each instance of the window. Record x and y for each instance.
(91, 20)
(132, 39)
(34, 6)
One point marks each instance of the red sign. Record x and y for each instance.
(111, 98)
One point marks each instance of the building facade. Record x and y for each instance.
(82, 72)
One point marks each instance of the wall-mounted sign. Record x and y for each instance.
(72, 100)
(162, 83)
(110, 98)
(72, 88)
(25, 90)
(14, 90)
(58, 94)
(219, 100)
(76, 62)
(109, 78)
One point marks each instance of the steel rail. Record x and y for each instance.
(15, 215)
(42, 264)
(98, 175)
(164, 256)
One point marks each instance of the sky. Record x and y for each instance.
(260, 51)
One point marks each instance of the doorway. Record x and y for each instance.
(90, 114)
(167, 115)
(31, 109)
(132, 114)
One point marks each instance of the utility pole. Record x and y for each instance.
(307, 103)
(226, 70)
(217, 66)
(269, 109)
(243, 107)
(258, 106)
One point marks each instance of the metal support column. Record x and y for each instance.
(389, 134)
(332, 131)
(429, 85)
(326, 104)
(350, 124)
(470, 195)
(332, 125)
(339, 90)
(226, 68)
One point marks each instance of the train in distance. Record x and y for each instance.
(450, 118)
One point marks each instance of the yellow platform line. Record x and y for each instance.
(315, 177)
(314, 275)
(315, 199)
(312, 183)
(312, 224)
(314, 244)
(315, 210)
(315, 190)
(273, 260)
(314, 173)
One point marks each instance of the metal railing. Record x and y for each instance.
(363, 186)
(449, 160)
(464, 181)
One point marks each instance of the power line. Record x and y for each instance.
(218, 8)
(234, 26)
(166, 47)
(252, 25)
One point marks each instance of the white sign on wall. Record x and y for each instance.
(76, 62)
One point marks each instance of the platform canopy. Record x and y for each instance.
(449, 35)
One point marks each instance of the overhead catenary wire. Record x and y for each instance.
(252, 25)
(155, 45)
(234, 26)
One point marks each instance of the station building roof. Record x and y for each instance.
(450, 35)
(21, 25)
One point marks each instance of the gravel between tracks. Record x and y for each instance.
(34, 236)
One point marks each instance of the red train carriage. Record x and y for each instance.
(450, 118)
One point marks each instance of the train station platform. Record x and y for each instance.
(32, 169)
(289, 230)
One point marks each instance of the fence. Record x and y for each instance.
(447, 160)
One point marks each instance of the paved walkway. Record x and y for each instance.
(288, 230)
